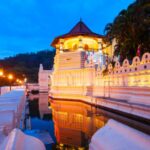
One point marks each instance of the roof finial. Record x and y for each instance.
(80, 19)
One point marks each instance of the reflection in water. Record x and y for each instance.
(76, 122)
(38, 104)
(33, 107)
(43, 105)
(41, 122)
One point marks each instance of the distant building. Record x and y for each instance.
(43, 79)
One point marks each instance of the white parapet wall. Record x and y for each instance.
(32, 87)
(126, 82)
(117, 136)
(11, 107)
(5, 89)
(17, 140)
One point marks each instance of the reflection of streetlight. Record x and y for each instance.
(25, 80)
(25, 83)
(20, 81)
(10, 77)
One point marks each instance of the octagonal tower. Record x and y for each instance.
(77, 55)
(72, 48)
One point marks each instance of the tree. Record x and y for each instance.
(27, 65)
(131, 29)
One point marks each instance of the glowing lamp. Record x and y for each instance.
(25, 79)
(1, 73)
(10, 76)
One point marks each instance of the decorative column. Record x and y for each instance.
(56, 59)
(80, 47)
(57, 49)
(61, 45)
(100, 52)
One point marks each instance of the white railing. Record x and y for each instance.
(6, 89)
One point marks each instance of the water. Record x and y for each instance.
(75, 122)
(71, 124)
(42, 125)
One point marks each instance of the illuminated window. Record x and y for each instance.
(62, 119)
(86, 47)
(75, 47)
(77, 121)
(79, 118)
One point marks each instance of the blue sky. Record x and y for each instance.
(31, 25)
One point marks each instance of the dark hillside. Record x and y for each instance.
(27, 65)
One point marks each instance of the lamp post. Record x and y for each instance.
(1, 75)
(10, 77)
(25, 83)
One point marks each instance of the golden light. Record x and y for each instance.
(1, 73)
(17, 80)
(25, 79)
(92, 43)
(10, 76)
(20, 81)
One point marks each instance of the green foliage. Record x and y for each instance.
(27, 65)
(131, 29)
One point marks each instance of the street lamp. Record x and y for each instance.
(25, 80)
(10, 77)
(1, 74)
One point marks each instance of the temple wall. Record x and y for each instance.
(76, 59)
(126, 83)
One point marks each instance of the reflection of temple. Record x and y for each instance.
(39, 105)
(75, 122)
(43, 104)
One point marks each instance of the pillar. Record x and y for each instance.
(61, 45)
(80, 47)
(100, 53)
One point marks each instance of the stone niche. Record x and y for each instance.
(71, 60)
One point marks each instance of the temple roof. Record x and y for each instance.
(79, 29)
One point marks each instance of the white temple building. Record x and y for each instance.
(43, 79)
(80, 73)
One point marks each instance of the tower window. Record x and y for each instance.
(75, 47)
(86, 47)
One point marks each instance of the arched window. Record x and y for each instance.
(74, 47)
(86, 47)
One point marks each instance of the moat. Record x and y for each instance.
(71, 124)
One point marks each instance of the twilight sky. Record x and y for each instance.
(31, 25)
